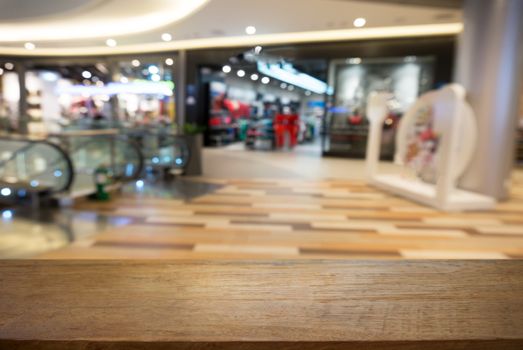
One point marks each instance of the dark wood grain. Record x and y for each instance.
(291, 304)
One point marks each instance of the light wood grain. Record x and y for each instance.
(292, 304)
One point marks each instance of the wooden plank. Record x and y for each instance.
(283, 304)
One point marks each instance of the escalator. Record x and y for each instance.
(63, 166)
(31, 167)
(93, 149)
(162, 149)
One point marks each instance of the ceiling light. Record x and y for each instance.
(155, 15)
(6, 191)
(226, 69)
(240, 73)
(354, 60)
(291, 87)
(359, 22)
(155, 77)
(257, 49)
(254, 76)
(9, 66)
(265, 80)
(308, 93)
(110, 42)
(49, 76)
(287, 73)
(153, 69)
(167, 37)
(169, 61)
(283, 85)
(250, 30)
(30, 46)
(100, 83)
(135, 63)
(86, 74)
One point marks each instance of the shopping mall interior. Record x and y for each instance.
(299, 174)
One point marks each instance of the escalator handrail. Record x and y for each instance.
(110, 134)
(161, 132)
(35, 140)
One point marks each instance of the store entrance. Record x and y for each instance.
(257, 102)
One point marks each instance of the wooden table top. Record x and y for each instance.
(292, 304)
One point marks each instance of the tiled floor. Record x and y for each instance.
(278, 218)
(266, 205)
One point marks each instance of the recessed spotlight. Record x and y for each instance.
(100, 83)
(291, 88)
(240, 73)
(86, 74)
(34, 183)
(283, 85)
(307, 93)
(156, 77)
(254, 76)
(6, 191)
(153, 69)
(86, 82)
(169, 61)
(354, 60)
(226, 69)
(135, 63)
(250, 30)
(9, 66)
(167, 37)
(111, 42)
(29, 46)
(359, 22)
(257, 49)
(265, 80)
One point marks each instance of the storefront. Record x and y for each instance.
(246, 94)
(353, 80)
(89, 93)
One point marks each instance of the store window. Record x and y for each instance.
(98, 94)
(353, 79)
(68, 96)
(264, 102)
(145, 92)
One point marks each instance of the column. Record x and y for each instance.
(23, 117)
(489, 66)
(180, 87)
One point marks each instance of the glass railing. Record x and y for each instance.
(28, 164)
(161, 148)
(90, 150)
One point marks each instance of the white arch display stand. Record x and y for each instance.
(438, 160)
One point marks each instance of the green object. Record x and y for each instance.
(101, 180)
(193, 129)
